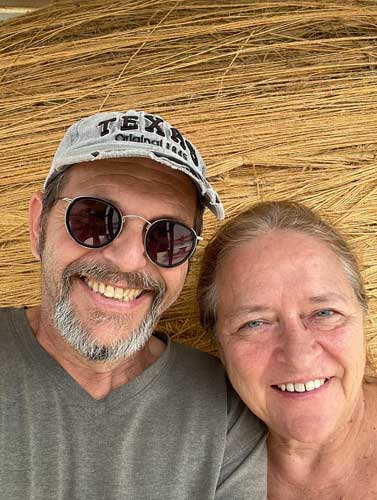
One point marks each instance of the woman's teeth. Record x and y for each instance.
(302, 387)
(114, 292)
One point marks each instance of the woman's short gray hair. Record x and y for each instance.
(260, 219)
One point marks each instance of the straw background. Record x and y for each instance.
(280, 98)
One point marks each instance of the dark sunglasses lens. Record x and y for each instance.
(169, 243)
(92, 222)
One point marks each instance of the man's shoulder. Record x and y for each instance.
(8, 316)
(12, 330)
(207, 373)
(242, 434)
(195, 377)
(189, 350)
(6, 311)
(191, 358)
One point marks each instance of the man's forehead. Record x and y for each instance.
(127, 170)
(126, 182)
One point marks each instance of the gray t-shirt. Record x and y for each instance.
(175, 432)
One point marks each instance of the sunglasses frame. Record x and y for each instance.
(147, 228)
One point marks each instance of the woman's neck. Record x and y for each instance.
(309, 470)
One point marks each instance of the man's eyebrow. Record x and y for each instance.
(177, 218)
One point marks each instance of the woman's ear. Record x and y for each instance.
(35, 210)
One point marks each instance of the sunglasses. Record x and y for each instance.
(95, 223)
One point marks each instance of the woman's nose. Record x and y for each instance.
(298, 346)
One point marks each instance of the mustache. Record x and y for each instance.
(105, 272)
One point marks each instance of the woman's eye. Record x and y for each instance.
(256, 328)
(325, 313)
(325, 319)
(254, 324)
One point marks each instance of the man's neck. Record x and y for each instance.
(99, 379)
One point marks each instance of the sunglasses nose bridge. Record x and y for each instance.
(131, 216)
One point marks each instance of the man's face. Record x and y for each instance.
(106, 301)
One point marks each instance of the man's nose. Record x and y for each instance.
(298, 346)
(127, 251)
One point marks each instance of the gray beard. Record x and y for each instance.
(73, 331)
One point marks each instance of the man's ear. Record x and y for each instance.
(35, 210)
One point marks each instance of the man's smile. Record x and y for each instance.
(114, 292)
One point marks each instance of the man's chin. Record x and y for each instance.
(103, 337)
(101, 350)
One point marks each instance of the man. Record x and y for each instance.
(94, 403)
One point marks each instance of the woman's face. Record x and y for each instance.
(290, 329)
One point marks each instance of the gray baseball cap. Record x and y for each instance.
(134, 134)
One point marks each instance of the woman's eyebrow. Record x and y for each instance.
(243, 310)
(326, 297)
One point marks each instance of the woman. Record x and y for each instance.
(283, 293)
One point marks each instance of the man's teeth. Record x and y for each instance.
(114, 292)
(302, 387)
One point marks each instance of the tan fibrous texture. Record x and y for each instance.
(280, 98)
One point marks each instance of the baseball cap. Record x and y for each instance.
(134, 134)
